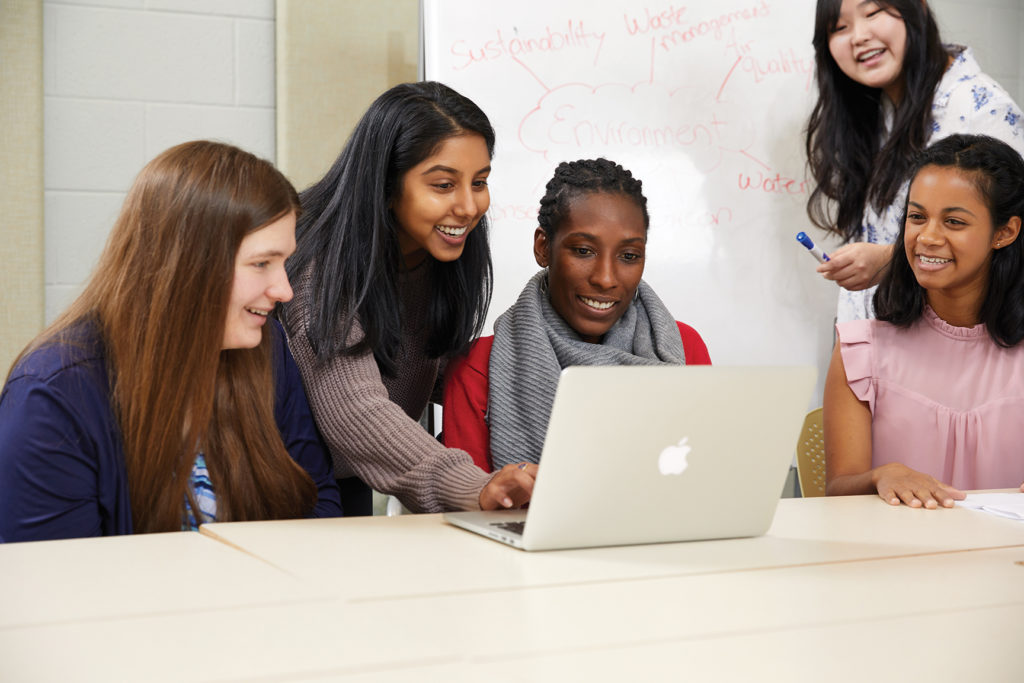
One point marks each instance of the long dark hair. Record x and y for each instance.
(850, 166)
(349, 234)
(997, 171)
(159, 299)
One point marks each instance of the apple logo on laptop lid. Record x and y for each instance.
(672, 459)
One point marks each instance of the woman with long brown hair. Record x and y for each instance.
(164, 397)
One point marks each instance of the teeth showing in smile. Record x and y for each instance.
(599, 305)
(257, 311)
(930, 259)
(453, 232)
(868, 55)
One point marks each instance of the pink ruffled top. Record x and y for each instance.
(944, 400)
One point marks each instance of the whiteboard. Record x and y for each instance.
(705, 102)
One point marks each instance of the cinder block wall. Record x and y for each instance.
(124, 80)
(993, 29)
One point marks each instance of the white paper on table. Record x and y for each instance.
(1009, 505)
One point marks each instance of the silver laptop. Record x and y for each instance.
(658, 454)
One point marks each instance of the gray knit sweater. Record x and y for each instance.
(370, 422)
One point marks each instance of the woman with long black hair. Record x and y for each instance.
(887, 88)
(393, 277)
(925, 402)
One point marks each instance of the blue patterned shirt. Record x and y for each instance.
(202, 491)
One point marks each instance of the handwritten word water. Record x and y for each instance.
(777, 184)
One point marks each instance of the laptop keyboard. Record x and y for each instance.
(514, 527)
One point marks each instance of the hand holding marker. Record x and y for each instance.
(817, 253)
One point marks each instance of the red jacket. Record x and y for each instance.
(465, 394)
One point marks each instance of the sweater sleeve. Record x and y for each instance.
(56, 450)
(299, 433)
(465, 404)
(693, 346)
(371, 436)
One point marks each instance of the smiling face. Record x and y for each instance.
(949, 238)
(869, 44)
(595, 261)
(260, 282)
(442, 199)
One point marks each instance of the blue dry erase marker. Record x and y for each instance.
(817, 253)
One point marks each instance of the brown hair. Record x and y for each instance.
(159, 298)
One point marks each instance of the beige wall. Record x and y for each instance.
(21, 175)
(333, 59)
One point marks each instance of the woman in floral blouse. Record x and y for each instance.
(887, 88)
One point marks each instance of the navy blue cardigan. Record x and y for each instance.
(62, 471)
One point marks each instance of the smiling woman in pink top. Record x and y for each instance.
(927, 400)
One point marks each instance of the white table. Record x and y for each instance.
(393, 599)
(84, 580)
(419, 555)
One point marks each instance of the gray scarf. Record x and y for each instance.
(532, 344)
